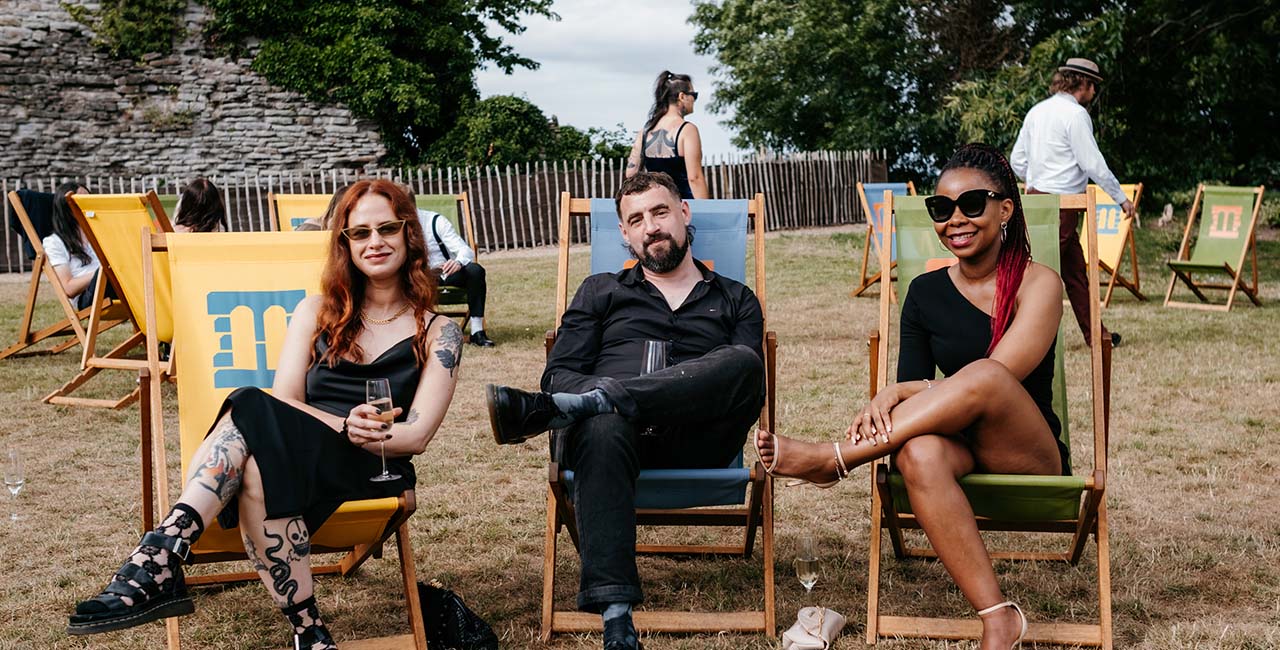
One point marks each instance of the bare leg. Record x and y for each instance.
(217, 470)
(984, 398)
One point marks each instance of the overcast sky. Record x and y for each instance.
(599, 63)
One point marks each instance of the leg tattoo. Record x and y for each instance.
(223, 470)
(278, 560)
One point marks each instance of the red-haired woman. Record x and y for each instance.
(989, 323)
(280, 464)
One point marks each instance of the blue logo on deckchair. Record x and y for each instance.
(1109, 220)
(221, 304)
(297, 222)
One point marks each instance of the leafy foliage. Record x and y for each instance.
(129, 29)
(405, 64)
(1191, 88)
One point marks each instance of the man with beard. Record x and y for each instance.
(700, 407)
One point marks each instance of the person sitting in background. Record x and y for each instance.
(70, 254)
(322, 223)
(200, 208)
(455, 265)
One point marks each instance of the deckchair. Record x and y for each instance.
(1225, 242)
(875, 223)
(288, 211)
(112, 224)
(457, 209)
(234, 293)
(674, 497)
(71, 326)
(1073, 505)
(1115, 238)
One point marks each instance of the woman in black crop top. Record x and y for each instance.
(989, 323)
(668, 143)
(278, 465)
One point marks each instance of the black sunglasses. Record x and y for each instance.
(971, 203)
(693, 94)
(361, 233)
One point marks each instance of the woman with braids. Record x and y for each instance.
(280, 464)
(200, 209)
(989, 323)
(669, 143)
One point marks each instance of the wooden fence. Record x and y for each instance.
(517, 206)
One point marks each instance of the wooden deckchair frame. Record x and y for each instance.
(155, 482)
(758, 510)
(1092, 518)
(91, 363)
(273, 212)
(71, 325)
(1248, 252)
(869, 281)
(1130, 245)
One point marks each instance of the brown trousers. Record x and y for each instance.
(1073, 270)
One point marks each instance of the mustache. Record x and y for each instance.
(662, 236)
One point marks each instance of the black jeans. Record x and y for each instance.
(702, 410)
(470, 277)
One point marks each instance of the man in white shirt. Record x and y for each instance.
(451, 257)
(1057, 154)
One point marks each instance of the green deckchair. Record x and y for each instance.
(452, 300)
(1049, 504)
(1226, 238)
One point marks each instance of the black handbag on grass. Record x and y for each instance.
(450, 624)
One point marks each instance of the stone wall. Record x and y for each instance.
(67, 109)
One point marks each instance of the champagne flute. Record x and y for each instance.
(14, 479)
(655, 359)
(378, 394)
(806, 563)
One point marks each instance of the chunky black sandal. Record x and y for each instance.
(311, 637)
(106, 611)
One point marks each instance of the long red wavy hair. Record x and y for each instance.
(1015, 250)
(343, 285)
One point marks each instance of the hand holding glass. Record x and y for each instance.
(806, 563)
(378, 394)
(14, 479)
(655, 359)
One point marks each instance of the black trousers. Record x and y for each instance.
(471, 278)
(701, 411)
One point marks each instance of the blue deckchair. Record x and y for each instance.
(669, 497)
(874, 209)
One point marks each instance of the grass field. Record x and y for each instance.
(1193, 491)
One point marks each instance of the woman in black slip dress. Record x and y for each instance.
(989, 323)
(668, 143)
(280, 464)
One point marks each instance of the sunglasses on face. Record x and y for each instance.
(693, 94)
(361, 233)
(971, 203)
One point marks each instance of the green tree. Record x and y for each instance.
(610, 143)
(128, 29)
(407, 65)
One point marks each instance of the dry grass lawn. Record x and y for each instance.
(1193, 489)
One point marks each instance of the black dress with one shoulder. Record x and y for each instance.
(307, 468)
(941, 328)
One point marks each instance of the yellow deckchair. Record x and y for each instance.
(234, 294)
(1067, 505)
(1226, 238)
(113, 225)
(288, 211)
(71, 325)
(1115, 238)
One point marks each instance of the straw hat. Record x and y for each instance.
(1083, 66)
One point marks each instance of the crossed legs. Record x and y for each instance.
(980, 418)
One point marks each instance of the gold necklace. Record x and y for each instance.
(382, 321)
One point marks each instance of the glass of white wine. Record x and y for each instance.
(378, 394)
(806, 563)
(655, 359)
(14, 479)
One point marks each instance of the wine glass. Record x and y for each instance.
(14, 479)
(806, 563)
(378, 394)
(654, 359)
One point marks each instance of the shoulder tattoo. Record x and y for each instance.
(450, 346)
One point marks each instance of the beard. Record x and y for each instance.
(664, 261)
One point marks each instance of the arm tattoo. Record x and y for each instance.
(222, 472)
(450, 342)
(412, 417)
(281, 573)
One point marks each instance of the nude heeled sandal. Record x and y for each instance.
(1017, 643)
(842, 472)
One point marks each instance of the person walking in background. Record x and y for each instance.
(70, 254)
(1057, 154)
(669, 143)
(200, 209)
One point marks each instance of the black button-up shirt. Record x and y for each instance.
(602, 334)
